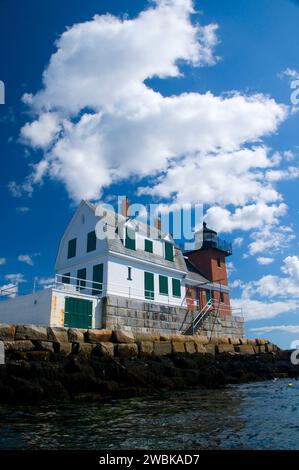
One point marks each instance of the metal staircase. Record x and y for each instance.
(198, 318)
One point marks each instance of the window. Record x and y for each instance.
(130, 239)
(71, 252)
(222, 297)
(97, 278)
(176, 288)
(129, 278)
(91, 241)
(65, 279)
(208, 295)
(148, 246)
(219, 262)
(163, 285)
(168, 251)
(81, 278)
(149, 286)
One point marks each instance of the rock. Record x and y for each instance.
(261, 341)
(76, 335)
(244, 341)
(39, 355)
(34, 332)
(210, 348)
(150, 336)
(122, 336)
(165, 337)
(146, 348)
(104, 349)
(178, 347)
(58, 334)
(190, 347)
(225, 348)
(7, 332)
(250, 341)
(220, 340)
(63, 348)
(235, 340)
(200, 348)
(98, 336)
(201, 339)
(85, 349)
(21, 345)
(161, 348)
(44, 345)
(127, 350)
(246, 349)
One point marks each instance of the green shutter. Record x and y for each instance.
(97, 276)
(168, 251)
(91, 241)
(65, 279)
(176, 288)
(149, 286)
(148, 245)
(77, 313)
(72, 248)
(81, 281)
(163, 285)
(130, 239)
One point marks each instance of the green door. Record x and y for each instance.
(77, 313)
(208, 295)
(149, 286)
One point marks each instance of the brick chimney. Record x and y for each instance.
(125, 206)
(157, 223)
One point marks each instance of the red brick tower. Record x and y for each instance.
(210, 261)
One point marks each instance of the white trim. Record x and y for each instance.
(143, 261)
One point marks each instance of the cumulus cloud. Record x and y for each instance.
(277, 294)
(99, 121)
(264, 260)
(270, 329)
(2, 261)
(15, 278)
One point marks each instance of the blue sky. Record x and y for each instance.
(219, 93)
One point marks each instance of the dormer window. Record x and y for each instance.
(130, 241)
(148, 245)
(168, 251)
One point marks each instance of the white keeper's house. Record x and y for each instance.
(132, 261)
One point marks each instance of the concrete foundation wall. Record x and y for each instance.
(140, 316)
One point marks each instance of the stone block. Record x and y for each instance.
(210, 348)
(190, 347)
(44, 345)
(65, 348)
(127, 350)
(123, 336)
(235, 340)
(245, 349)
(31, 332)
(178, 347)
(7, 332)
(59, 334)
(261, 341)
(225, 348)
(200, 348)
(98, 336)
(146, 348)
(20, 345)
(76, 335)
(104, 349)
(161, 348)
(201, 339)
(85, 349)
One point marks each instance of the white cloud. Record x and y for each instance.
(246, 217)
(2, 261)
(99, 122)
(46, 282)
(238, 241)
(15, 278)
(291, 73)
(26, 259)
(22, 209)
(271, 239)
(260, 310)
(9, 291)
(270, 329)
(264, 260)
(279, 175)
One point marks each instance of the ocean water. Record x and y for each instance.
(262, 415)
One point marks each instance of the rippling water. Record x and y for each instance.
(252, 416)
